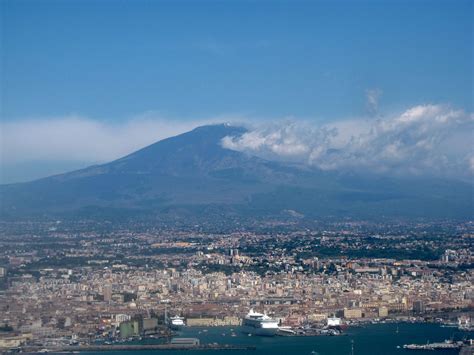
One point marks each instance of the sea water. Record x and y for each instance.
(383, 339)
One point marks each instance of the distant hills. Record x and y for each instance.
(192, 175)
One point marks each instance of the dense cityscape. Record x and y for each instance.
(82, 282)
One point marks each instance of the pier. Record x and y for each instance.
(447, 345)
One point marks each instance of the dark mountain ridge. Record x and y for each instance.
(192, 174)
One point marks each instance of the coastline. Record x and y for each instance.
(368, 339)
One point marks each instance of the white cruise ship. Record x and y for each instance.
(259, 324)
(176, 322)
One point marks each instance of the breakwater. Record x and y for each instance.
(138, 347)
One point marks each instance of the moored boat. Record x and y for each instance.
(259, 324)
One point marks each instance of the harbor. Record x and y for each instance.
(387, 339)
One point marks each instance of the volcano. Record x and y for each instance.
(192, 174)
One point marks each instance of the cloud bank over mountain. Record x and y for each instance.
(423, 140)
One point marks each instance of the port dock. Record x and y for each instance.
(447, 345)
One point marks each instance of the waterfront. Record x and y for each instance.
(369, 339)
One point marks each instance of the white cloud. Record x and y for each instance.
(76, 138)
(426, 139)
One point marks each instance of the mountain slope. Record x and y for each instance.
(191, 168)
(192, 174)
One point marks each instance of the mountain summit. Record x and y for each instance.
(192, 174)
(195, 153)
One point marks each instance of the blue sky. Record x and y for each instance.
(111, 61)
